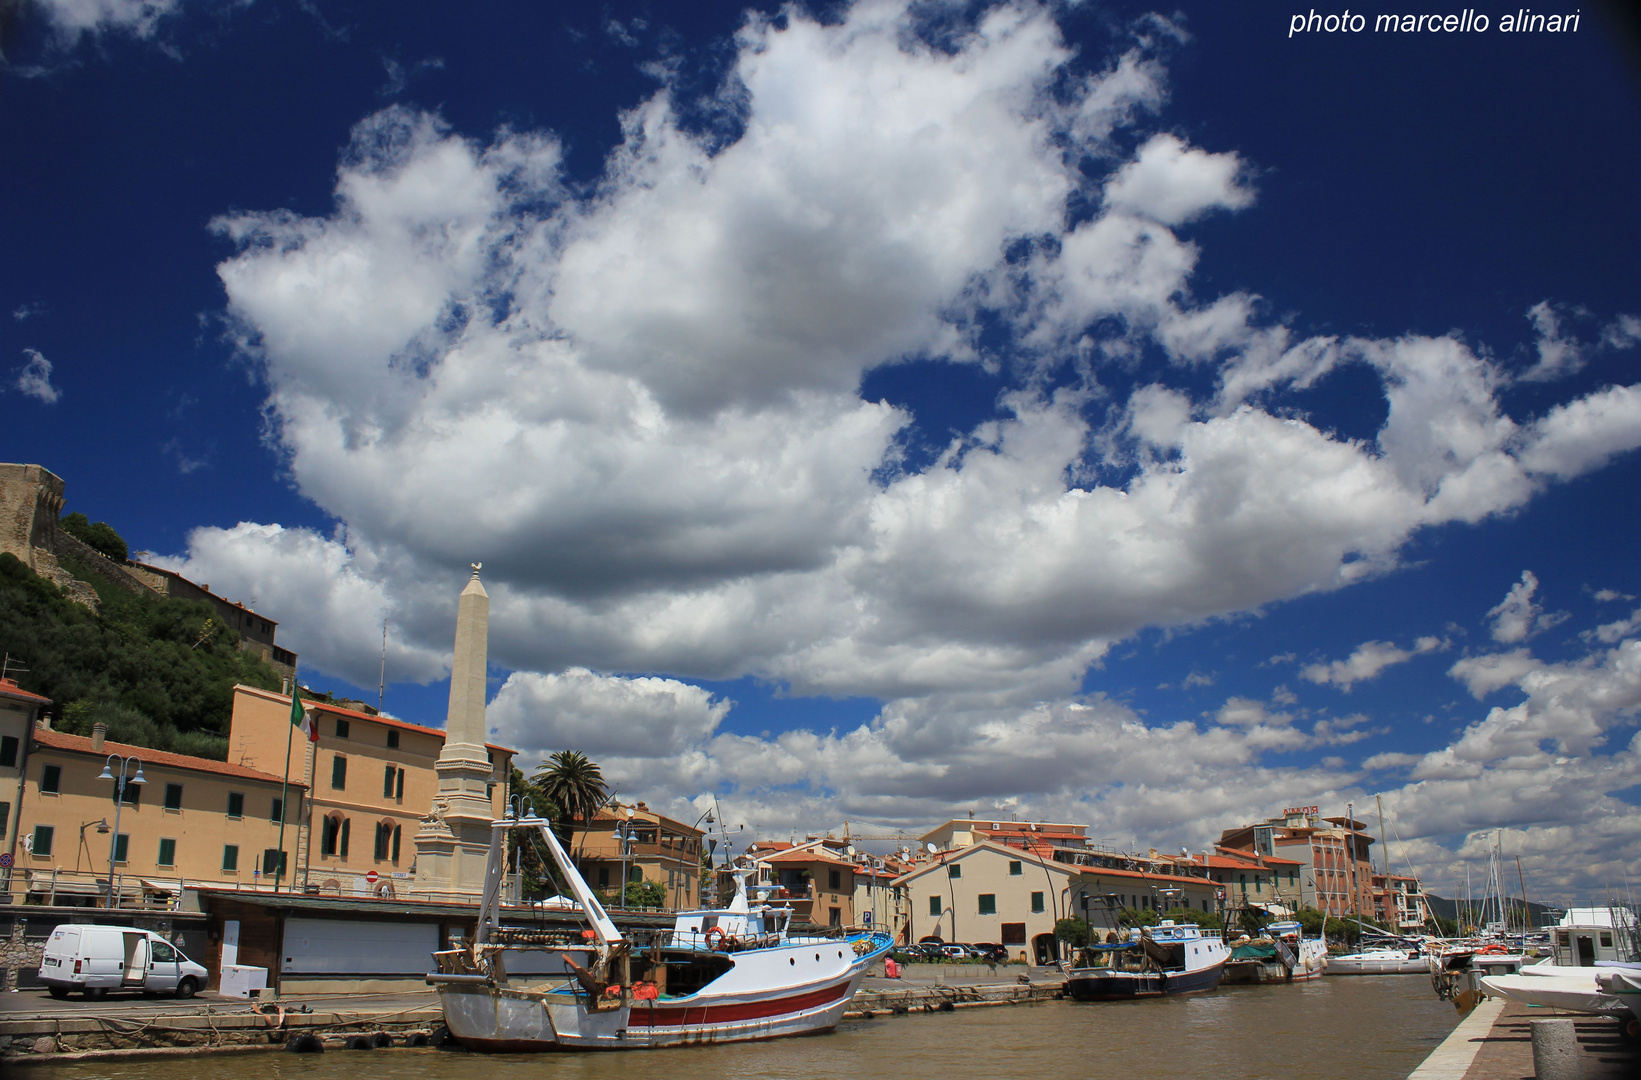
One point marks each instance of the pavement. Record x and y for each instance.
(29, 1004)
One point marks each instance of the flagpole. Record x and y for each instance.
(284, 792)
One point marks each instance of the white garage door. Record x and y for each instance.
(332, 946)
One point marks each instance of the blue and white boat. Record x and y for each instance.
(1156, 960)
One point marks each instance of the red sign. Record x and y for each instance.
(371, 877)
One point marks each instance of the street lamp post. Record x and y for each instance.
(102, 830)
(623, 834)
(710, 820)
(119, 803)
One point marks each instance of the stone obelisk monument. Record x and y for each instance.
(454, 840)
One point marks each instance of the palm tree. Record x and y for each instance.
(576, 784)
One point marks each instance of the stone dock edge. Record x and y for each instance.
(1453, 1058)
(49, 1040)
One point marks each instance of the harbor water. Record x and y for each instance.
(1356, 1028)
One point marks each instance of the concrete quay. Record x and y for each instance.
(1505, 1040)
(36, 1029)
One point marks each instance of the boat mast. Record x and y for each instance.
(1384, 853)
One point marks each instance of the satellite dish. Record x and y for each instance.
(1185, 851)
(932, 848)
(851, 851)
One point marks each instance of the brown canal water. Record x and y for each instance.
(1330, 1029)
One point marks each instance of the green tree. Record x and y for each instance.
(1073, 931)
(143, 664)
(99, 536)
(575, 784)
(642, 894)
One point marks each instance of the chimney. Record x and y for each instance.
(43, 721)
(99, 732)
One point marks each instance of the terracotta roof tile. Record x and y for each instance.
(386, 721)
(9, 688)
(58, 740)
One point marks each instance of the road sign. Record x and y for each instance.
(866, 918)
(371, 877)
(5, 859)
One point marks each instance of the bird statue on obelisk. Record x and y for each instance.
(454, 839)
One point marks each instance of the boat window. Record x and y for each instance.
(1606, 940)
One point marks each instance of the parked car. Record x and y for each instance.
(97, 959)
(991, 952)
(956, 952)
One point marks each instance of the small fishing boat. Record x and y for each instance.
(1458, 968)
(1281, 954)
(1156, 960)
(719, 975)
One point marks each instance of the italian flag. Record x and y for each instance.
(302, 718)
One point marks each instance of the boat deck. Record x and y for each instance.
(1495, 1042)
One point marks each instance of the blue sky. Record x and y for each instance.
(1146, 419)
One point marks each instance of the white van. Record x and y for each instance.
(97, 959)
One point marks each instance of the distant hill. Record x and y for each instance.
(159, 671)
(1538, 914)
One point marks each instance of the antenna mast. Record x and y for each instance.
(381, 685)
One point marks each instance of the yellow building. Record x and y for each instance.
(18, 709)
(191, 818)
(662, 851)
(372, 782)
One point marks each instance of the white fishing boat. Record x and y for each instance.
(719, 975)
(1380, 962)
(1156, 960)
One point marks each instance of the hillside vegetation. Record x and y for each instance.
(158, 671)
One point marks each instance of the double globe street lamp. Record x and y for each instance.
(120, 782)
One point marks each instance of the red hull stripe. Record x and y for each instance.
(645, 1016)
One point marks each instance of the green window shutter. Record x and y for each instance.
(934, 906)
(168, 853)
(230, 857)
(988, 903)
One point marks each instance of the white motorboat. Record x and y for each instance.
(1573, 993)
(1379, 962)
(719, 975)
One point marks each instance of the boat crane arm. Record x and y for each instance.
(602, 926)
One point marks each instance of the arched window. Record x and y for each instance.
(387, 840)
(333, 835)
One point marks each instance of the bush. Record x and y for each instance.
(99, 536)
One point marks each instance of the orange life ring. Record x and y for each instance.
(1493, 950)
(715, 930)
